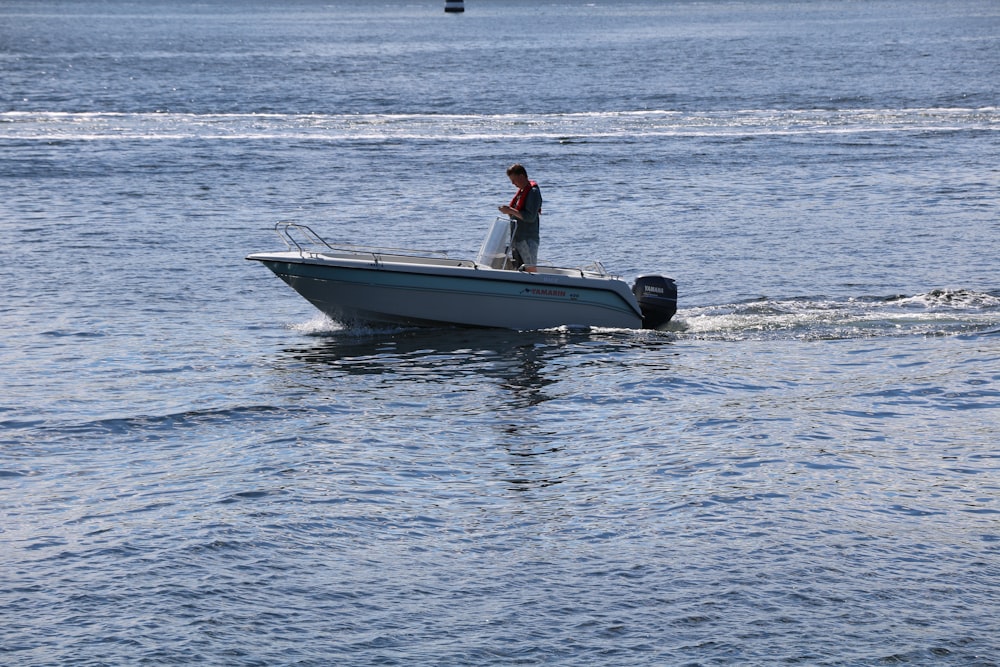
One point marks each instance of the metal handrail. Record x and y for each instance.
(312, 243)
(595, 267)
(313, 239)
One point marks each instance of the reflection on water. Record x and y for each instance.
(518, 359)
(491, 384)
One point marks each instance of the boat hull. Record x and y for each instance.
(452, 293)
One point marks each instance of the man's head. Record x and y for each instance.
(518, 175)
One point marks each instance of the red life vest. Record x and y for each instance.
(521, 198)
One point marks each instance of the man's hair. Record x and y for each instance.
(517, 169)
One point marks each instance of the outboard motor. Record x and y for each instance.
(657, 297)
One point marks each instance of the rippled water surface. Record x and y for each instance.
(197, 468)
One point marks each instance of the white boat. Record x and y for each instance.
(411, 287)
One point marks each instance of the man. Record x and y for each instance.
(523, 210)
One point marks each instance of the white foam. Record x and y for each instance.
(90, 126)
(938, 311)
(318, 325)
(951, 299)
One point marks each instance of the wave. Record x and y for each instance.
(935, 313)
(566, 127)
(154, 423)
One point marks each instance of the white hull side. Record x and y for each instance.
(365, 290)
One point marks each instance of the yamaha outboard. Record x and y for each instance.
(657, 297)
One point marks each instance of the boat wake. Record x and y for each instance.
(935, 313)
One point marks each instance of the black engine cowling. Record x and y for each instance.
(657, 297)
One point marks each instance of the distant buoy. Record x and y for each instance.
(455, 6)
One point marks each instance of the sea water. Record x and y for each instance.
(198, 468)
